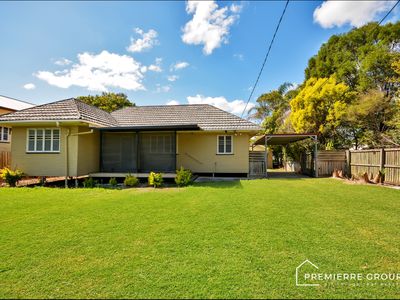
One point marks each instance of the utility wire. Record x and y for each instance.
(265, 59)
(380, 22)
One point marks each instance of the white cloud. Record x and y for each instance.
(156, 67)
(146, 41)
(172, 78)
(97, 72)
(179, 65)
(162, 89)
(356, 13)
(29, 86)
(239, 56)
(210, 24)
(236, 8)
(172, 102)
(235, 106)
(63, 62)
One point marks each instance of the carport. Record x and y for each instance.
(285, 139)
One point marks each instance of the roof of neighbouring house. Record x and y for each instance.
(64, 110)
(204, 116)
(14, 104)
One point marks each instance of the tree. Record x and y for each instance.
(320, 106)
(273, 107)
(361, 58)
(107, 101)
(370, 117)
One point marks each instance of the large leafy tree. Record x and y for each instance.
(361, 58)
(108, 101)
(370, 117)
(320, 106)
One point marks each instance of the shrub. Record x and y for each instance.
(131, 181)
(155, 179)
(89, 183)
(11, 176)
(183, 177)
(113, 182)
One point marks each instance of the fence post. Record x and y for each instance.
(316, 156)
(382, 163)
(348, 163)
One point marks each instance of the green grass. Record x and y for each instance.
(219, 240)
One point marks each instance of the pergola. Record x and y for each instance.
(284, 139)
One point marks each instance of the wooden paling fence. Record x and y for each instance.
(5, 159)
(358, 162)
(328, 161)
(256, 163)
(355, 162)
(372, 161)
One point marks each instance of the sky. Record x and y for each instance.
(166, 52)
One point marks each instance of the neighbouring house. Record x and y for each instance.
(9, 105)
(70, 138)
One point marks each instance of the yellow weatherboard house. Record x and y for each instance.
(70, 138)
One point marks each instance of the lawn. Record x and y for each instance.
(217, 240)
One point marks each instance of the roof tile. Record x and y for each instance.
(207, 117)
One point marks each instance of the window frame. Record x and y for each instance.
(156, 139)
(52, 129)
(8, 140)
(224, 136)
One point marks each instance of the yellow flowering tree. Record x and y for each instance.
(320, 106)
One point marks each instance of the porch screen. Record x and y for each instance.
(157, 152)
(119, 152)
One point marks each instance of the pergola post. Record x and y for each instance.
(266, 156)
(316, 156)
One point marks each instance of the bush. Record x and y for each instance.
(89, 183)
(11, 177)
(131, 181)
(155, 179)
(113, 182)
(183, 177)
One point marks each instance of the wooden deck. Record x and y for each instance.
(119, 175)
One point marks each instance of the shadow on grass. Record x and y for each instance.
(286, 175)
(220, 184)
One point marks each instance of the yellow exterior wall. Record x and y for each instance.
(5, 146)
(44, 164)
(88, 152)
(197, 151)
(83, 153)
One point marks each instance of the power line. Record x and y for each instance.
(266, 57)
(380, 22)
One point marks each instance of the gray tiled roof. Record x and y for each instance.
(207, 117)
(69, 109)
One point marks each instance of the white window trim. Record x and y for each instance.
(44, 140)
(225, 153)
(8, 140)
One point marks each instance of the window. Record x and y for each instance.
(161, 144)
(225, 144)
(5, 134)
(43, 140)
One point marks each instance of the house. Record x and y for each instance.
(70, 138)
(9, 105)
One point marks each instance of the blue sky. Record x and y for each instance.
(56, 50)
